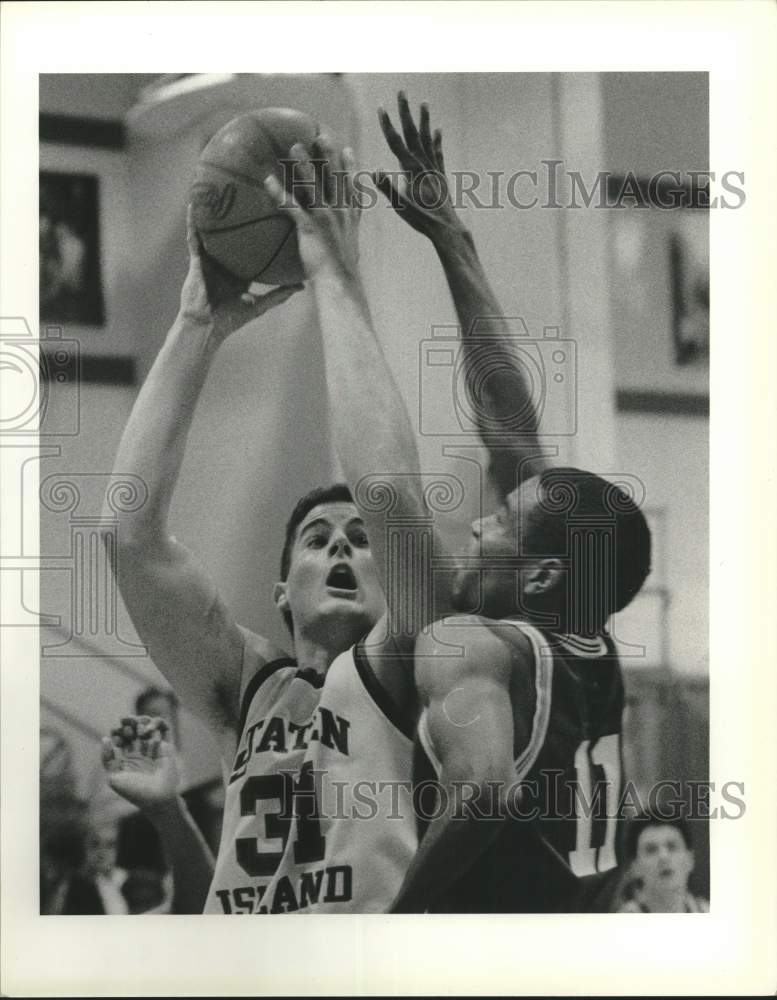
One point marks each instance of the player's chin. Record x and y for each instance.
(342, 606)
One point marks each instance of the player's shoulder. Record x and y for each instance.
(463, 644)
(258, 651)
(476, 634)
(262, 660)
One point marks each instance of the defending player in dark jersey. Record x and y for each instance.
(522, 716)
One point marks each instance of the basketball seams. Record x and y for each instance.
(247, 178)
(233, 212)
(250, 222)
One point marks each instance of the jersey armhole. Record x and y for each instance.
(543, 686)
(255, 683)
(378, 694)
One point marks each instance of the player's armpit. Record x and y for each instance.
(191, 636)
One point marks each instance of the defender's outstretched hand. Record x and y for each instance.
(323, 205)
(213, 298)
(141, 763)
(422, 198)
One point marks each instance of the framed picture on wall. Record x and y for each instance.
(690, 286)
(69, 247)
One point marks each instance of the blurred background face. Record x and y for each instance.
(663, 862)
(159, 705)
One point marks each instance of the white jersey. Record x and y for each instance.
(318, 813)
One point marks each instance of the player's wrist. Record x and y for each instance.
(166, 813)
(337, 281)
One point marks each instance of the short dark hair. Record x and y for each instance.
(147, 694)
(647, 819)
(338, 493)
(601, 533)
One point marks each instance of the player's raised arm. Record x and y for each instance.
(467, 731)
(175, 608)
(142, 768)
(370, 425)
(503, 405)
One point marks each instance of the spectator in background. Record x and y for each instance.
(62, 851)
(159, 703)
(140, 848)
(661, 854)
(142, 767)
(79, 875)
(101, 870)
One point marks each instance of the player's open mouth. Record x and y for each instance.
(341, 578)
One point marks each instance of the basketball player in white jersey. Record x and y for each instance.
(294, 730)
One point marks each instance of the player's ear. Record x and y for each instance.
(542, 577)
(280, 596)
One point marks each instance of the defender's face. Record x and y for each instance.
(332, 576)
(663, 861)
(491, 574)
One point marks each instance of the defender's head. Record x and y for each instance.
(329, 583)
(566, 549)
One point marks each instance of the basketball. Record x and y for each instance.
(238, 222)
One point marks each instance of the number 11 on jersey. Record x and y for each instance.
(598, 770)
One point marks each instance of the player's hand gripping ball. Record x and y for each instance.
(238, 222)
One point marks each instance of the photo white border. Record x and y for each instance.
(731, 950)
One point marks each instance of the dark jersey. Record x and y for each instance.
(557, 839)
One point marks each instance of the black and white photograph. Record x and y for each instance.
(372, 489)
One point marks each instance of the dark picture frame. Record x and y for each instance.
(689, 274)
(71, 288)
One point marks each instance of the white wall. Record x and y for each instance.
(659, 122)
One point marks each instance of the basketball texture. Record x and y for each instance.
(239, 224)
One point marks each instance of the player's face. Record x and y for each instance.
(488, 580)
(332, 577)
(663, 861)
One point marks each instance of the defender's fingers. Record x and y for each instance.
(412, 138)
(425, 133)
(395, 142)
(438, 150)
(385, 185)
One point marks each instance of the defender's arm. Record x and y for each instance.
(468, 726)
(506, 417)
